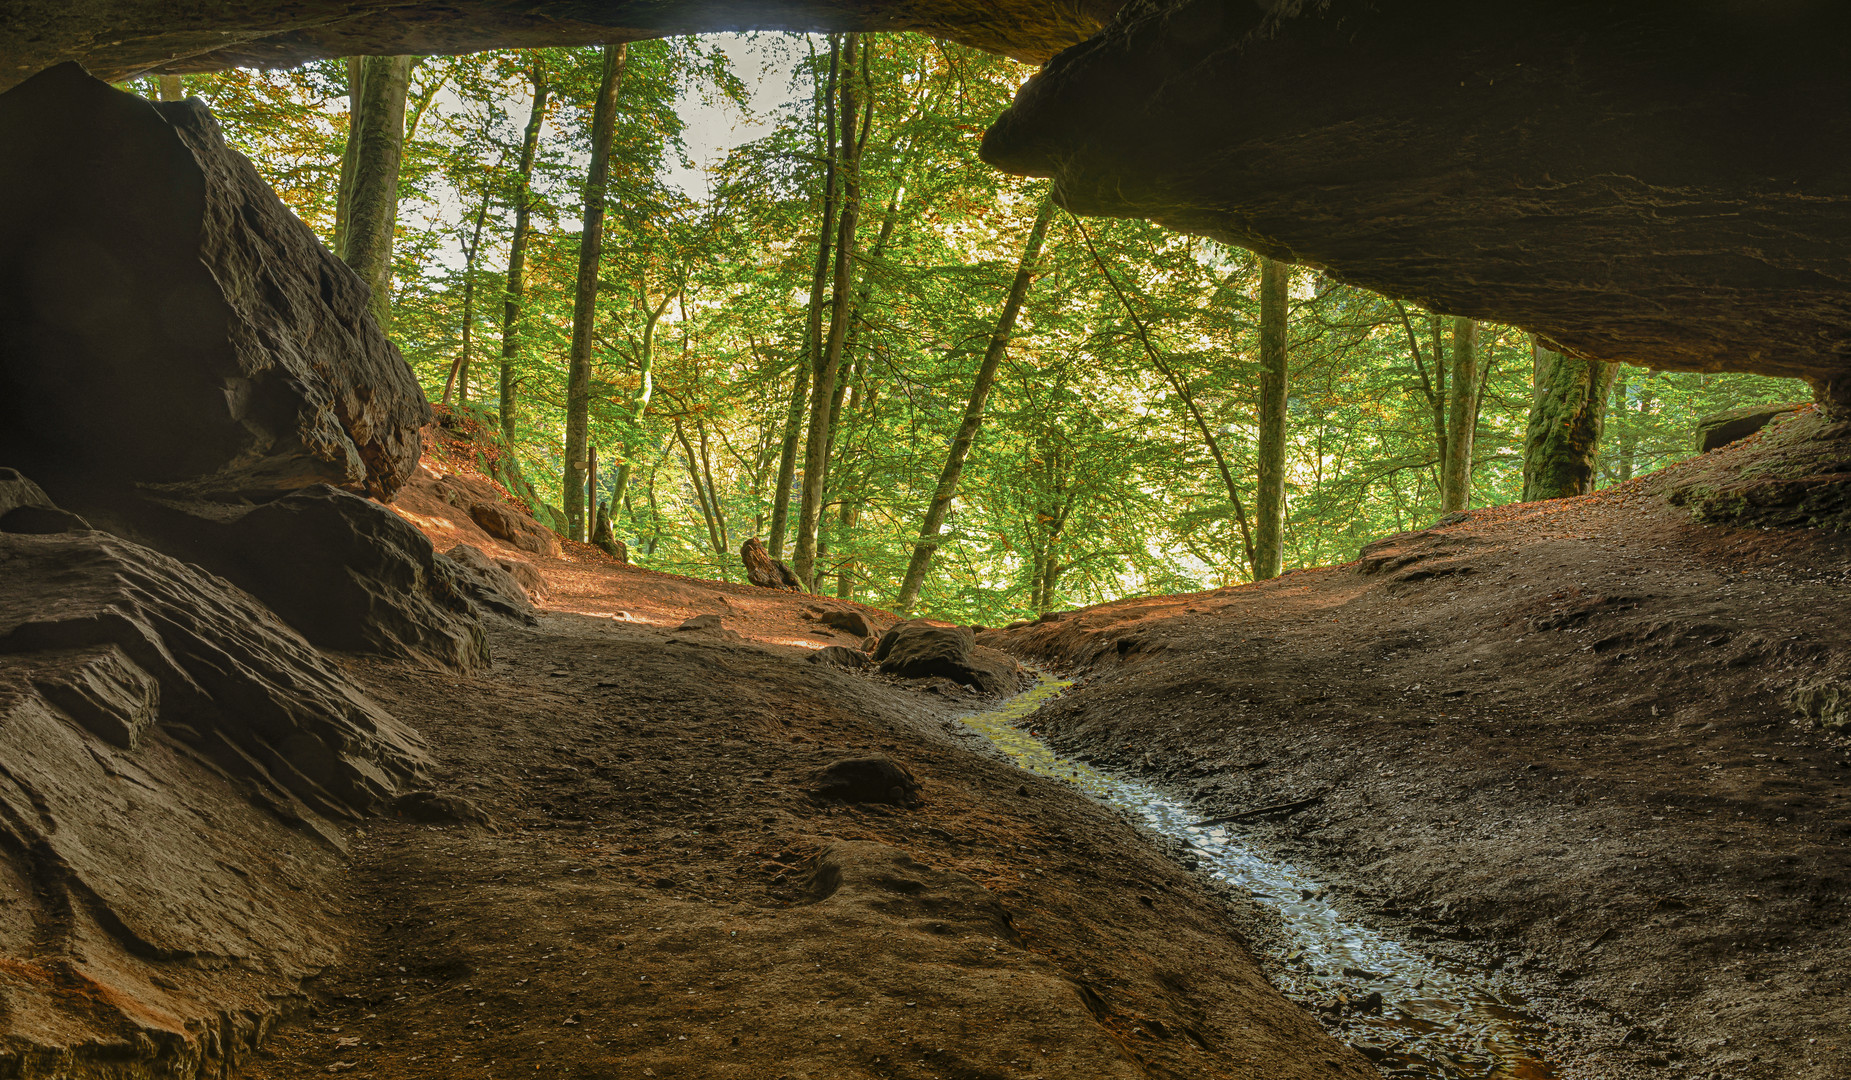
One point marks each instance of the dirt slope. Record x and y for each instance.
(662, 894)
(1585, 732)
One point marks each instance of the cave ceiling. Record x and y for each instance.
(1666, 183)
(117, 39)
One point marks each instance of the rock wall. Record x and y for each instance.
(117, 38)
(165, 320)
(1656, 182)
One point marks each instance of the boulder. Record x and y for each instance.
(516, 529)
(1656, 183)
(344, 571)
(177, 762)
(875, 778)
(491, 586)
(169, 322)
(527, 574)
(764, 571)
(1733, 425)
(849, 621)
(24, 508)
(917, 649)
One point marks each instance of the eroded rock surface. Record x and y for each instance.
(1665, 184)
(164, 318)
(171, 760)
(918, 649)
(118, 38)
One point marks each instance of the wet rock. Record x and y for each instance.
(345, 572)
(169, 322)
(490, 585)
(764, 571)
(875, 778)
(1429, 164)
(840, 656)
(917, 649)
(1732, 425)
(504, 523)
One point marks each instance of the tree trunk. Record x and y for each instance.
(376, 134)
(170, 88)
(947, 489)
(585, 300)
(828, 360)
(350, 152)
(639, 404)
(813, 320)
(517, 251)
(1567, 413)
(1461, 418)
(458, 379)
(1269, 501)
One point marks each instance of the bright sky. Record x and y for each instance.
(764, 63)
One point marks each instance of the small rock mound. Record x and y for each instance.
(918, 649)
(873, 779)
(504, 523)
(436, 808)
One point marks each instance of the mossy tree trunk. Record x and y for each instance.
(585, 300)
(1461, 418)
(1567, 414)
(368, 205)
(1269, 500)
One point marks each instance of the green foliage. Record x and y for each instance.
(1089, 479)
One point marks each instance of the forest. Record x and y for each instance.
(914, 377)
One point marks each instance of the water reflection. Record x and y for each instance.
(1412, 1016)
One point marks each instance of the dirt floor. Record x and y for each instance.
(1568, 740)
(1556, 741)
(662, 893)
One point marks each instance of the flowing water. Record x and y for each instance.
(1413, 1016)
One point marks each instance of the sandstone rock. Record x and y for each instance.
(527, 574)
(917, 649)
(504, 523)
(764, 571)
(344, 571)
(26, 509)
(174, 757)
(436, 808)
(1732, 425)
(1657, 184)
(117, 38)
(849, 622)
(491, 586)
(169, 321)
(875, 778)
(704, 621)
(840, 656)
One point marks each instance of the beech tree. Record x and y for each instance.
(1269, 505)
(368, 210)
(1567, 414)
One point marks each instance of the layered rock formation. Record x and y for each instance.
(1662, 183)
(118, 38)
(175, 763)
(165, 320)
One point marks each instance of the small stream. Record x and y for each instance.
(1412, 1016)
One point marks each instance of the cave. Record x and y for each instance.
(328, 746)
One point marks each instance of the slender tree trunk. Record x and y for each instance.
(1269, 501)
(813, 320)
(378, 128)
(638, 405)
(591, 489)
(517, 251)
(936, 511)
(585, 300)
(724, 542)
(700, 488)
(458, 378)
(1461, 418)
(822, 387)
(1567, 413)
